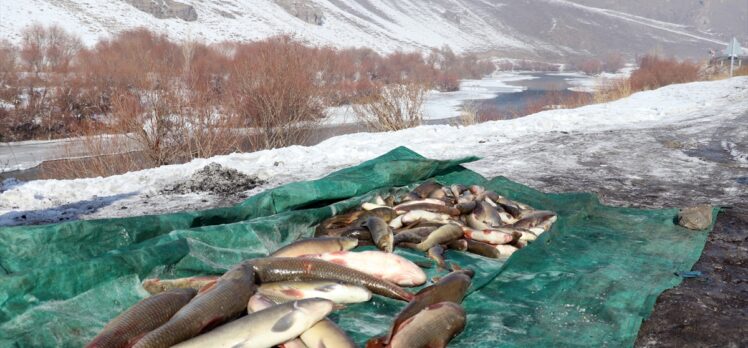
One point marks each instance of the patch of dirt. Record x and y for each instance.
(216, 179)
(711, 310)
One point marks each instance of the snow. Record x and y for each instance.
(590, 84)
(613, 144)
(385, 25)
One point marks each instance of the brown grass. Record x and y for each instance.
(655, 72)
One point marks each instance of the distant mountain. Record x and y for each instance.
(536, 29)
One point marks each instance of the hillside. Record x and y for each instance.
(545, 29)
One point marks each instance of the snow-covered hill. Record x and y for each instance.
(546, 29)
(680, 141)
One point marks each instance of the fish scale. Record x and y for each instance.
(141, 318)
(277, 269)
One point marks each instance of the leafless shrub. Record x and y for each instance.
(395, 107)
(655, 72)
(273, 92)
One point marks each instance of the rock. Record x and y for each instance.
(165, 9)
(695, 218)
(304, 10)
(216, 179)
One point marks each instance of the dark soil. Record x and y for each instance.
(216, 179)
(711, 310)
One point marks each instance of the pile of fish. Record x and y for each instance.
(284, 299)
(432, 218)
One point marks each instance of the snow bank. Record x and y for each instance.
(500, 143)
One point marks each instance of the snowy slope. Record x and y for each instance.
(667, 135)
(522, 29)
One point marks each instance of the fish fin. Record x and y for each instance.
(207, 287)
(377, 342)
(454, 266)
(211, 324)
(424, 264)
(295, 293)
(285, 322)
(339, 307)
(131, 342)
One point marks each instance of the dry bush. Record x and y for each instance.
(613, 62)
(591, 66)
(395, 107)
(613, 89)
(655, 72)
(742, 71)
(273, 92)
(557, 99)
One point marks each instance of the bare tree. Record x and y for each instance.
(394, 107)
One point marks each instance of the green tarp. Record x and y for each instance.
(588, 282)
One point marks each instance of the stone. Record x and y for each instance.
(695, 218)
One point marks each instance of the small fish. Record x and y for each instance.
(466, 207)
(435, 326)
(333, 291)
(434, 208)
(360, 233)
(451, 287)
(316, 246)
(333, 224)
(491, 236)
(430, 201)
(425, 189)
(387, 266)
(141, 318)
(482, 249)
(157, 286)
(222, 300)
(277, 269)
(413, 235)
(538, 221)
(442, 235)
(422, 215)
(372, 206)
(457, 189)
(265, 328)
(381, 233)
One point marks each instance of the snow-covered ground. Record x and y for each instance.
(692, 137)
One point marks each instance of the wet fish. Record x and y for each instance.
(336, 292)
(372, 206)
(506, 250)
(381, 233)
(442, 235)
(360, 233)
(385, 213)
(265, 328)
(434, 208)
(538, 221)
(467, 207)
(476, 190)
(422, 215)
(386, 266)
(316, 246)
(482, 249)
(527, 235)
(157, 286)
(333, 225)
(491, 236)
(457, 189)
(436, 253)
(459, 245)
(222, 300)
(259, 302)
(276, 269)
(432, 201)
(396, 222)
(143, 317)
(425, 189)
(325, 334)
(451, 287)
(378, 200)
(413, 235)
(435, 326)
